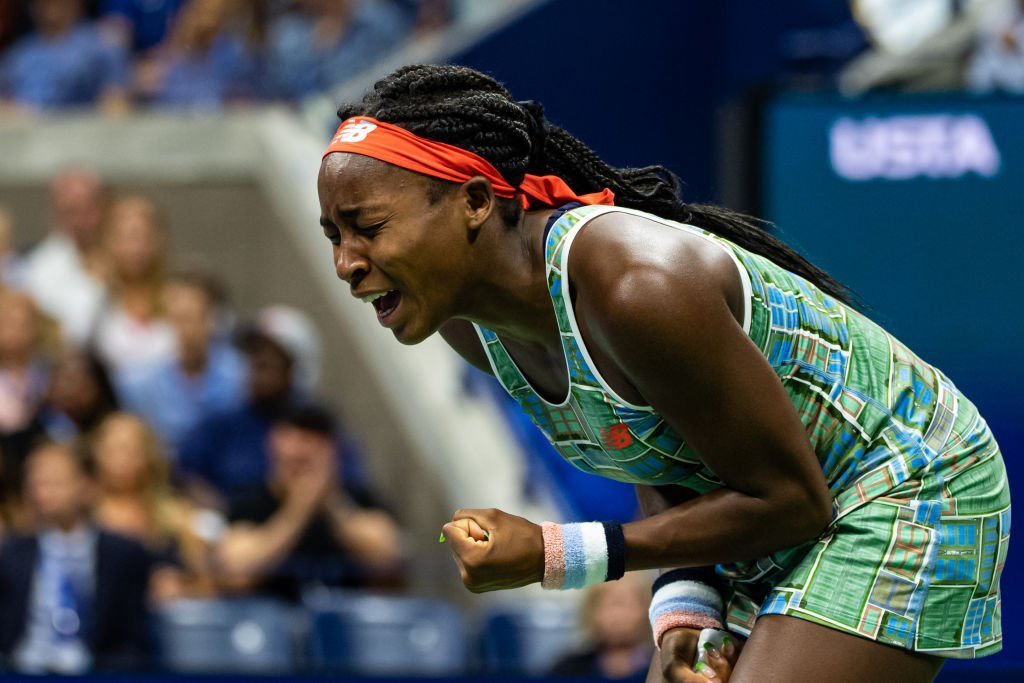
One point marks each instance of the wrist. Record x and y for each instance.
(685, 598)
(577, 555)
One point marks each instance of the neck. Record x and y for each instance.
(510, 295)
(65, 526)
(15, 361)
(193, 361)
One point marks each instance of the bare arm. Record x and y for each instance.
(249, 550)
(663, 318)
(371, 536)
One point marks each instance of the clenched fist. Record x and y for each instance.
(495, 550)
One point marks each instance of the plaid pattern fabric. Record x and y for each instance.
(916, 476)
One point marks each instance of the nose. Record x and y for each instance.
(350, 262)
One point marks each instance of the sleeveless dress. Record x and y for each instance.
(921, 512)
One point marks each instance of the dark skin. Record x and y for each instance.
(636, 284)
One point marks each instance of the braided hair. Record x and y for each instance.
(462, 107)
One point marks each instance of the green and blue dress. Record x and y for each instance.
(921, 517)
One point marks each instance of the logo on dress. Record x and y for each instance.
(617, 436)
(355, 131)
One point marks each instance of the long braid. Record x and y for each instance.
(468, 109)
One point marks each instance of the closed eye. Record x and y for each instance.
(369, 230)
(332, 234)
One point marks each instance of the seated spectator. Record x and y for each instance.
(80, 396)
(13, 21)
(11, 517)
(228, 450)
(65, 62)
(64, 272)
(616, 624)
(997, 63)
(204, 64)
(205, 375)
(302, 527)
(140, 24)
(131, 330)
(327, 41)
(134, 498)
(72, 597)
(24, 376)
(10, 262)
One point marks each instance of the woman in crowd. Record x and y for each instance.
(131, 330)
(27, 339)
(80, 395)
(135, 499)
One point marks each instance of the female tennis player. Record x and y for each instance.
(808, 481)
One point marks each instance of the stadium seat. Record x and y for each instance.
(227, 636)
(528, 638)
(376, 635)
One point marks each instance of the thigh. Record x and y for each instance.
(786, 649)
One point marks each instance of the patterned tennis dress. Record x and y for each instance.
(921, 516)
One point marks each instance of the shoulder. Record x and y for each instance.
(17, 545)
(625, 268)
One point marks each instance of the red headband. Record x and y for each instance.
(396, 145)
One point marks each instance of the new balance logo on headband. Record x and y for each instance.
(354, 131)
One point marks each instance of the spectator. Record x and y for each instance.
(13, 22)
(10, 262)
(131, 330)
(205, 64)
(205, 376)
(615, 621)
(302, 527)
(228, 450)
(327, 41)
(997, 63)
(135, 499)
(24, 376)
(10, 501)
(72, 597)
(140, 24)
(80, 396)
(63, 273)
(64, 62)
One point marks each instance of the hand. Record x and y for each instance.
(495, 550)
(311, 485)
(675, 661)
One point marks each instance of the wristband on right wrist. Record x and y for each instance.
(685, 598)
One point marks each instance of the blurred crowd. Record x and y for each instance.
(151, 449)
(198, 54)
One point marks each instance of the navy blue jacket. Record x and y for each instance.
(117, 630)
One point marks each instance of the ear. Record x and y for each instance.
(480, 202)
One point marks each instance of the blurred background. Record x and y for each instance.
(252, 474)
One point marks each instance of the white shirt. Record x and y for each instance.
(57, 279)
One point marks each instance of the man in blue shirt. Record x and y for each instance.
(207, 375)
(64, 62)
(327, 41)
(144, 23)
(228, 450)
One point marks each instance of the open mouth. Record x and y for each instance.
(385, 305)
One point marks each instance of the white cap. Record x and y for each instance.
(292, 331)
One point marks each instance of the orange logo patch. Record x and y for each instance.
(617, 436)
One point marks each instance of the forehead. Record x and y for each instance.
(350, 182)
